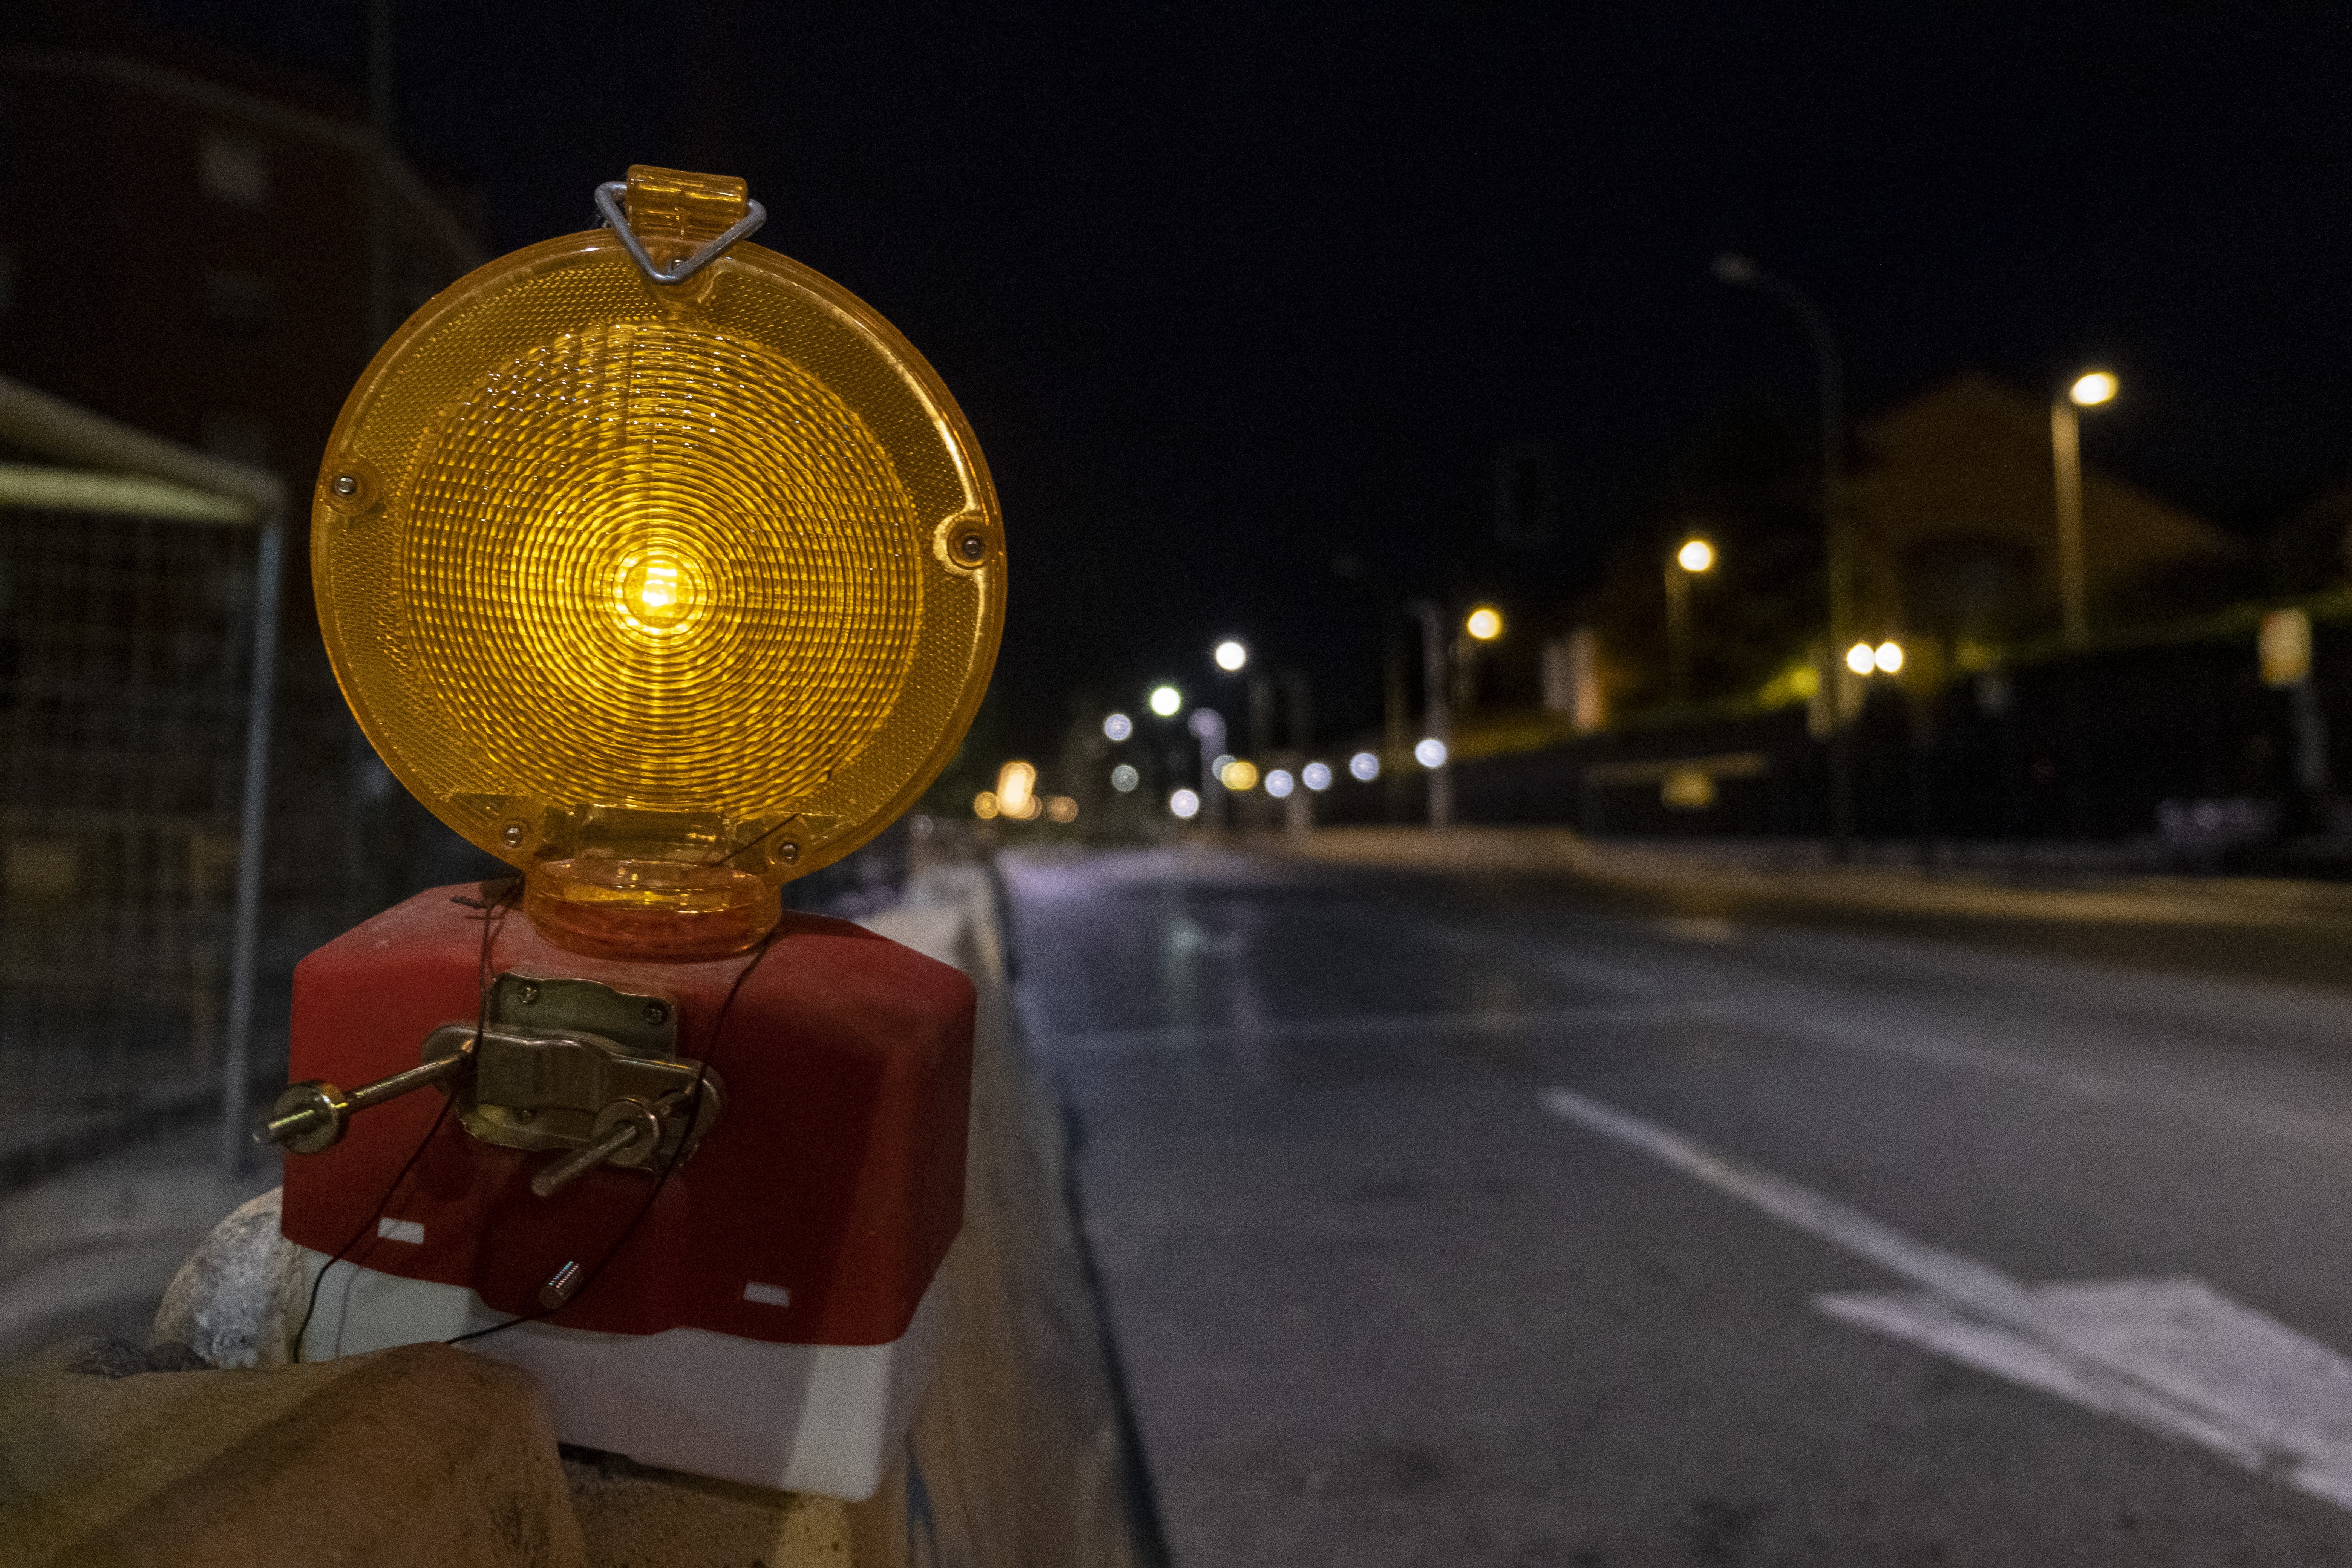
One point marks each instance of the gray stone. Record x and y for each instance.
(236, 1300)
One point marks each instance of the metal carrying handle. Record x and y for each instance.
(608, 202)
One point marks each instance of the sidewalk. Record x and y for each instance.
(2060, 883)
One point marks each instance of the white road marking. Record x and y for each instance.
(2174, 1356)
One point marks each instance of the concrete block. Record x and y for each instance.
(422, 1457)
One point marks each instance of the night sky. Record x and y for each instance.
(1226, 293)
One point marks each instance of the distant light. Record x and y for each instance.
(1889, 656)
(1124, 778)
(1696, 555)
(1184, 805)
(1017, 790)
(1118, 726)
(1231, 655)
(1430, 752)
(1061, 808)
(1364, 767)
(1862, 658)
(983, 804)
(1165, 701)
(1219, 764)
(1485, 622)
(1237, 775)
(1315, 776)
(1279, 784)
(2093, 388)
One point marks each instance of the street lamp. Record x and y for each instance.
(1484, 624)
(1690, 558)
(2089, 390)
(1231, 655)
(1437, 718)
(1741, 272)
(1166, 700)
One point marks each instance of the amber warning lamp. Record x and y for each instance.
(663, 569)
(660, 567)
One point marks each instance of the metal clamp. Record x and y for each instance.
(608, 202)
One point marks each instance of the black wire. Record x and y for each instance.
(492, 909)
(693, 1110)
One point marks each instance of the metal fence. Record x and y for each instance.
(127, 669)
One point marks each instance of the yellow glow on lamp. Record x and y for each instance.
(983, 804)
(1238, 775)
(1485, 622)
(2093, 388)
(1862, 658)
(1696, 555)
(664, 594)
(1888, 656)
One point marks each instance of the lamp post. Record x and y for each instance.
(1741, 271)
(2089, 390)
(1689, 559)
(1437, 720)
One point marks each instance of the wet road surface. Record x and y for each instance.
(1451, 1220)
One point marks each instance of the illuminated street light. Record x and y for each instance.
(1166, 700)
(1693, 556)
(1862, 658)
(1430, 753)
(1888, 656)
(2093, 388)
(1118, 726)
(1315, 776)
(1484, 623)
(1364, 767)
(2090, 389)
(1124, 778)
(983, 804)
(1279, 784)
(1231, 655)
(1238, 776)
(1183, 805)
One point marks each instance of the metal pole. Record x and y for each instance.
(252, 817)
(1838, 534)
(1437, 721)
(1677, 632)
(2067, 456)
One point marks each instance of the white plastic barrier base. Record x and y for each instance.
(808, 1418)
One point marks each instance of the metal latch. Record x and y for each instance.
(590, 1074)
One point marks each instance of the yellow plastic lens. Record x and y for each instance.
(706, 575)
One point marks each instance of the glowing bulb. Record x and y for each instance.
(1430, 752)
(1279, 784)
(1183, 805)
(1862, 658)
(1017, 790)
(1484, 623)
(1364, 767)
(2093, 388)
(1124, 778)
(1696, 555)
(1165, 701)
(1315, 776)
(1888, 656)
(983, 804)
(655, 593)
(1231, 655)
(1238, 776)
(1061, 808)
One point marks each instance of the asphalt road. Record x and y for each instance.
(1464, 1221)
